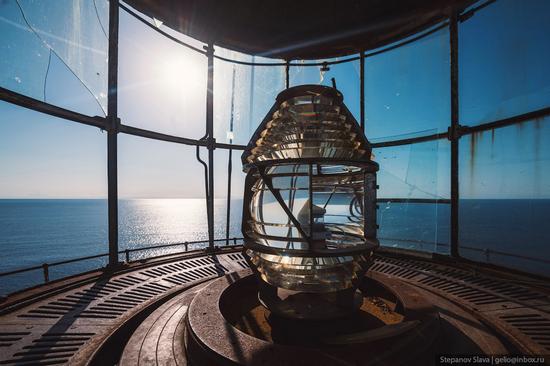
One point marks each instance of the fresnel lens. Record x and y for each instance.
(309, 217)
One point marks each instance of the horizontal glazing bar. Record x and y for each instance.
(132, 13)
(175, 139)
(323, 63)
(408, 41)
(412, 140)
(468, 14)
(52, 110)
(465, 130)
(101, 122)
(540, 113)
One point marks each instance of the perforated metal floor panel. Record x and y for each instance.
(67, 328)
(519, 312)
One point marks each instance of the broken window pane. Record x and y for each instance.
(412, 179)
(40, 35)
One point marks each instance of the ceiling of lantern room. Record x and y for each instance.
(303, 29)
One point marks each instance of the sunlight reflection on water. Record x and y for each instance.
(147, 222)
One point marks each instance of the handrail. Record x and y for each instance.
(488, 251)
(46, 266)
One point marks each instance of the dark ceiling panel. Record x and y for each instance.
(298, 29)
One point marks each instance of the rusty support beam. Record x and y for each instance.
(454, 137)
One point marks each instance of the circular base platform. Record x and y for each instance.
(401, 322)
(226, 325)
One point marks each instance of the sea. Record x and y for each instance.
(510, 233)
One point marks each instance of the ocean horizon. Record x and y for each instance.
(37, 231)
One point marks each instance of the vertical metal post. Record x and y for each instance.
(230, 161)
(251, 121)
(287, 74)
(112, 116)
(362, 91)
(46, 271)
(454, 131)
(311, 218)
(210, 142)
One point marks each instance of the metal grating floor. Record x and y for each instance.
(519, 312)
(67, 328)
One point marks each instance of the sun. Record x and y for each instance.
(180, 73)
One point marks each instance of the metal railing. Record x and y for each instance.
(127, 254)
(487, 252)
(234, 241)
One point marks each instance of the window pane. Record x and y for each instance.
(503, 58)
(47, 46)
(253, 92)
(505, 196)
(162, 85)
(52, 195)
(346, 76)
(419, 170)
(410, 177)
(161, 195)
(415, 226)
(407, 90)
(221, 190)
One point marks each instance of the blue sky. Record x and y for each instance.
(504, 56)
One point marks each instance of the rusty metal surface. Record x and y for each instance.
(213, 340)
(507, 306)
(459, 333)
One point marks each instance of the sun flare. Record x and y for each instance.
(178, 73)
